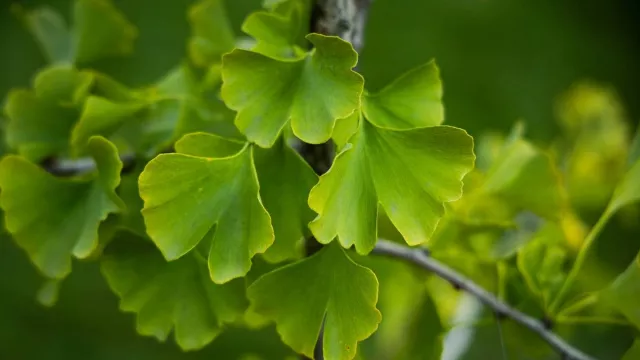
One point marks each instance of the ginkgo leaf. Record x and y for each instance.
(51, 32)
(40, 121)
(285, 181)
(102, 117)
(624, 292)
(312, 91)
(53, 218)
(63, 85)
(327, 286)
(521, 166)
(411, 173)
(279, 32)
(189, 198)
(211, 32)
(412, 100)
(174, 295)
(100, 30)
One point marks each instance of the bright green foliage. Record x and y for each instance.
(378, 168)
(203, 192)
(67, 222)
(212, 34)
(313, 91)
(413, 100)
(280, 32)
(40, 120)
(624, 293)
(326, 286)
(210, 235)
(518, 166)
(101, 116)
(166, 295)
(99, 30)
(285, 181)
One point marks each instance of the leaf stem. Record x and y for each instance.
(580, 260)
(420, 258)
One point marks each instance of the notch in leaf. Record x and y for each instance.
(53, 218)
(170, 295)
(327, 286)
(310, 92)
(208, 189)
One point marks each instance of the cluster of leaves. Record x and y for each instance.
(206, 227)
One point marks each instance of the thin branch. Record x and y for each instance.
(422, 259)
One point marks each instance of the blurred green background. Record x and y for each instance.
(501, 60)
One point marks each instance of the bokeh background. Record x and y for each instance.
(501, 61)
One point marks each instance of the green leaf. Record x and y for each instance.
(285, 181)
(312, 91)
(63, 85)
(102, 117)
(521, 166)
(189, 197)
(53, 218)
(51, 33)
(100, 30)
(413, 100)
(411, 173)
(326, 286)
(624, 292)
(280, 32)
(211, 32)
(541, 263)
(40, 121)
(628, 190)
(170, 295)
(634, 352)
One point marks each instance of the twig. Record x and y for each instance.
(422, 259)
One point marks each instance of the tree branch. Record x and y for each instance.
(421, 258)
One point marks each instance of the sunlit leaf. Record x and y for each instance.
(412, 100)
(380, 166)
(280, 32)
(189, 197)
(311, 92)
(52, 218)
(326, 286)
(174, 295)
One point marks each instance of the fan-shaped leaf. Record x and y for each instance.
(189, 198)
(412, 100)
(166, 295)
(53, 218)
(100, 30)
(312, 91)
(410, 172)
(326, 286)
